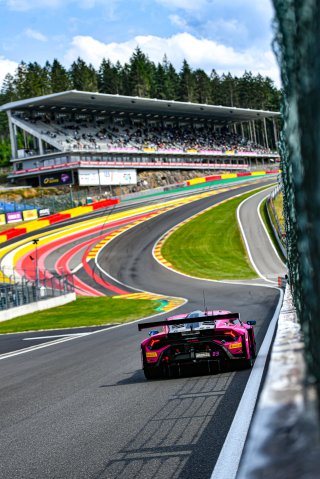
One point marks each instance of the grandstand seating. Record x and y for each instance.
(69, 133)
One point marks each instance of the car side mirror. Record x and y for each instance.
(153, 332)
(252, 323)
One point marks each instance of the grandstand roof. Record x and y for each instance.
(117, 103)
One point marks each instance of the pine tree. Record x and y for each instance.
(83, 76)
(202, 87)
(187, 84)
(172, 81)
(140, 74)
(215, 82)
(108, 78)
(59, 77)
(37, 81)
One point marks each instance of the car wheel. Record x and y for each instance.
(152, 373)
(247, 363)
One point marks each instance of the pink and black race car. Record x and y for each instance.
(211, 340)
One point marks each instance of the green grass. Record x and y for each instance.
(210, 246)
(83, 312)
(265, 219)
(278, 204)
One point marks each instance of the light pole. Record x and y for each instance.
(35, 242)
(71, 196)
(99, 184)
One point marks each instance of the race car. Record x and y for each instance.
(213, 341)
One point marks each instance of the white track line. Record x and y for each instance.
(229, 459)
(266, 231)
(246, 242)
(66, 335)
(65, 339)
(224, 281)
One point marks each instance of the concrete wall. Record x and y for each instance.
(283, 441)
(36, 306)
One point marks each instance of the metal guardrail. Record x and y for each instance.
(19, 290)
(278, 231)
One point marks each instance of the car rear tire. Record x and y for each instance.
(152, 373)
(247, 363)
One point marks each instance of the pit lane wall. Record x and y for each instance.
(283, 441)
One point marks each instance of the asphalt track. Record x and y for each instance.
(82, 408)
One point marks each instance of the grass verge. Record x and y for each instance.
(278, 204)
(84, 311)
(210, 246)
(265, 219)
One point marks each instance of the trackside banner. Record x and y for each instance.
(56, 179)
(30, 215)
(13, 217)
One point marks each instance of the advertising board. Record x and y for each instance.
(105, 177)
(56, 179)
(14, 216)
(30, 215)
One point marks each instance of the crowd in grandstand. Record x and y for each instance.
(137, 135)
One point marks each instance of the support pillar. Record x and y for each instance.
(40, 146)
(266, 132)
(275, 132)
(13, 136)
(254, 132)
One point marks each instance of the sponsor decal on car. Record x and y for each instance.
(151, 354)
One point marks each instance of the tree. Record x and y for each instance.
(215, 82)
(108, 77)
(37, 81)
(140, 74)
(19, 82)
(59, 77)
(187, 84)
(83, 76)
(7, 89)
(170, 88)
(229, 90)
(202, 87)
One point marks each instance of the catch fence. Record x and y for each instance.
(298, 50)
(19, 288)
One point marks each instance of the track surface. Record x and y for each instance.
(82, 408)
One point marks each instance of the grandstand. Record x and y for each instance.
(98, 139)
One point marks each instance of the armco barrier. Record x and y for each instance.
(12, 233)
(104, 204)
(226, 176)
(32, 225)
(56, 218)
(213, 178)
(196, 181)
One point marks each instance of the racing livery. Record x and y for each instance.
(211, 340)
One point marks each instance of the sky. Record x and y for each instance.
(225, 35)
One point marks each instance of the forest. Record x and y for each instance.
(139, 77)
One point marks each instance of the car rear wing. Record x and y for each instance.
(199, 319)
